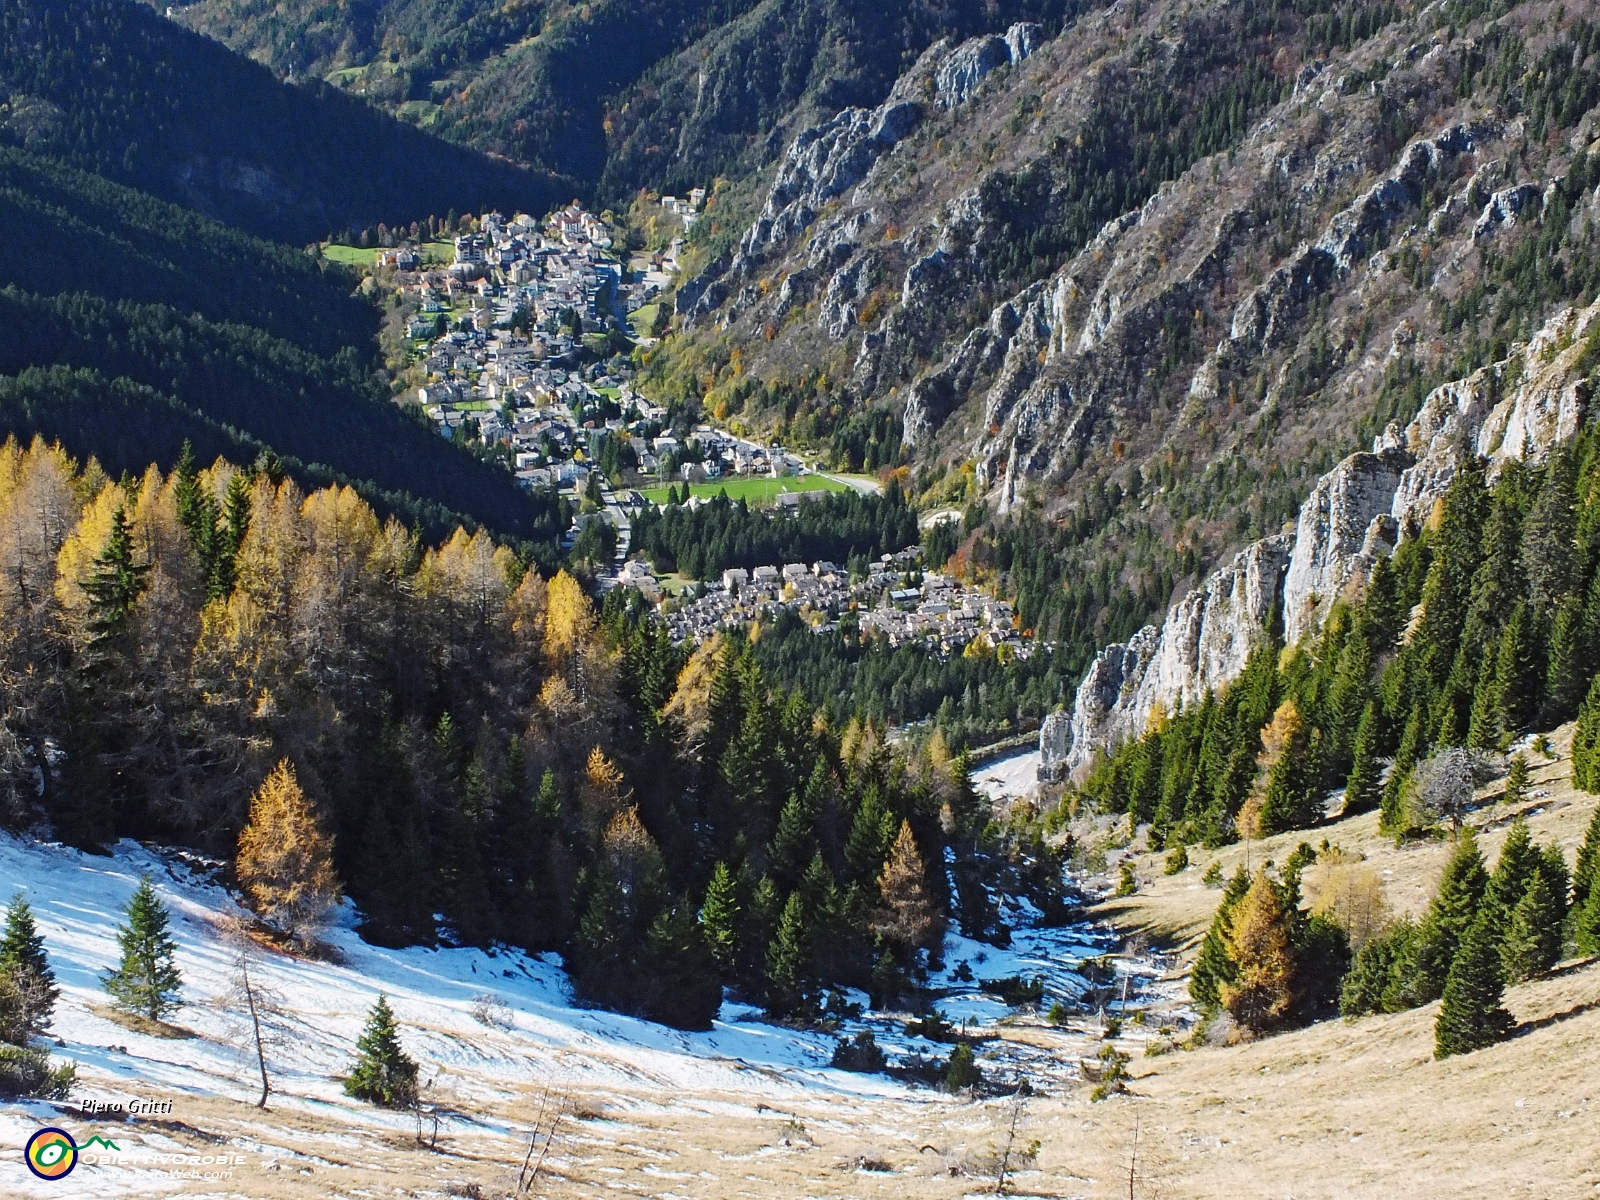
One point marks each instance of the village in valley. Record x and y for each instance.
(894, 598)
(519, 334)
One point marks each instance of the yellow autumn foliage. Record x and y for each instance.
(285, 862)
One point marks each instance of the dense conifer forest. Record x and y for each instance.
(113, 87)
(1505, 580)
(842, 527)
(136, 325)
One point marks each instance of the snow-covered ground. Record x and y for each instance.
(77, 900)
(743, 1062)
(1008, 778)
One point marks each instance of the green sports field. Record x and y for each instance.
(751, 491)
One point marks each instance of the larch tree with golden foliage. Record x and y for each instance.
(1257, 941)
(909, 915)
(285, 862)
(569, 623)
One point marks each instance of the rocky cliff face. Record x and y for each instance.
(1202, 645)
(1355, 513)
(826, 161)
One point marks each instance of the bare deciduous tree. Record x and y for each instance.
(1445, 782)
(255, 1011)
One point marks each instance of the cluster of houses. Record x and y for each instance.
(893, 600)
(687, 210)
(495, 331)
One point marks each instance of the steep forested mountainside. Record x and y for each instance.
(112, 87)
(133, 325)
(618, 93)
(1134, 291)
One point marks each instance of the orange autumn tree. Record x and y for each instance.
(285, 862)
(1257, 940)
(910, 917)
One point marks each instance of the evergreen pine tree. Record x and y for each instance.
(789, 987)
(1587, 867)
(1518, 678)
(760, 923)
(230, 536)
(1212, 966)
(795, 840)
(605, 941)
(1548, 557)
(1532, 943)
(1361, 787)
(1454, 908)
(824, 916)
(1390, 816)
(1516, 781)
(547, 801)
(1568, 663)
(115, 586)
(1472, 1016)
(680, 974)
(1347, 701)
(384, 1073)
(197, 511)
(1483, 731)
(1514, 871)
(24, 963)
(962, 1071)
(720, 917)
(1378, 621)
(871, 833)
(146, 981)
(1586, 921)
(1375, 968)
(1586, 742)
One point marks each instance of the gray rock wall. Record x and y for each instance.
(1355, 513)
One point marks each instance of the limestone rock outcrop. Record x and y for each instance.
(1203, 644)
(1355, 513)
(1342, 525)
(825, 161)
(1054, 739)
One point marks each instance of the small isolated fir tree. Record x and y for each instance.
(384, 1073)
(146, 982)
(962, 1070)
(285, 862)
(25, 971)
(1516, 780)
(1471, 1016)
